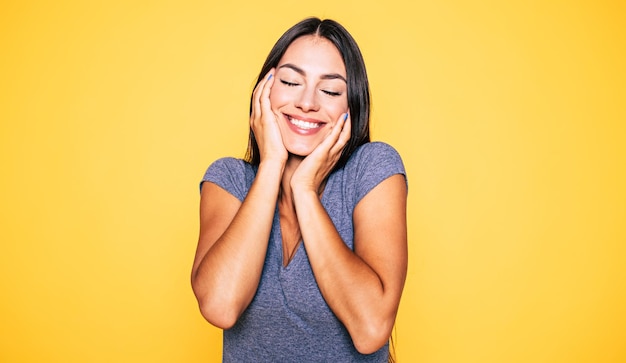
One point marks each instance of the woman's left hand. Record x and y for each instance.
(316, 166)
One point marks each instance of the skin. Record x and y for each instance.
(362, 287)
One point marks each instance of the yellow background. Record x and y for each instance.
(509, 116)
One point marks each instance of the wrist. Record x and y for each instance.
(299, 189)
(271, 166)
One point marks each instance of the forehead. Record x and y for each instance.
(314, 55)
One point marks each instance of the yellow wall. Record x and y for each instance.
(509, 115)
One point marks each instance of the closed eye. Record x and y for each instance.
(289, 84)
(331, 93)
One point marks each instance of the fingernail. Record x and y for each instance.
(345, 117)
(270, 77)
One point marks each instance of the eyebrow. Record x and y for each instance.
(303, 73)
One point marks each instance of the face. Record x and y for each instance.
(309, 93)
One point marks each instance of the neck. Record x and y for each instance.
(289, 227)
(285, 199)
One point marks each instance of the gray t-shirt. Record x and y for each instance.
(288, 320)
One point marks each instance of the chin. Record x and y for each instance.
(300, 146)
(302, 152)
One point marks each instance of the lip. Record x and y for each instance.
(304, 131)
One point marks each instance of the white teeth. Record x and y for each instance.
(304, 124)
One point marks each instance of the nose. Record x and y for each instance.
(307, 100)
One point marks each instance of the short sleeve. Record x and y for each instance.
(376, 162)
(233, 175)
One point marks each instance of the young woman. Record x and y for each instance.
(302, 253)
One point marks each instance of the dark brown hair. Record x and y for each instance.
(358, 85)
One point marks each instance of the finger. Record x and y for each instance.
(256, 96)
(333, 134)
(264, 100)
(346, 130)
(330, 139)
(343, 133)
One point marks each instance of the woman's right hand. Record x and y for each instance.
(264, 122)
(234, 234)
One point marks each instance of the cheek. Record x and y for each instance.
(342, 103)
(278, 97)
(336, 109)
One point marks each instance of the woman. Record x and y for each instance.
(302, 253)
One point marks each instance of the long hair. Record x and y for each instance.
(392, 349)
(358, 86)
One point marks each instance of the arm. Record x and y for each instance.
(363, 287)
(232, 246)
(234, 235)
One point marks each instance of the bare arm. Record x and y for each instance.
(233, 235)
(232, 246)
(363, 287)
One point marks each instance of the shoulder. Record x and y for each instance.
(228, 164)
(370, 164)
(374, 158)
(375, 151)
(232, 174)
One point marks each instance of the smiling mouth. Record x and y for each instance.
(305, 125)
